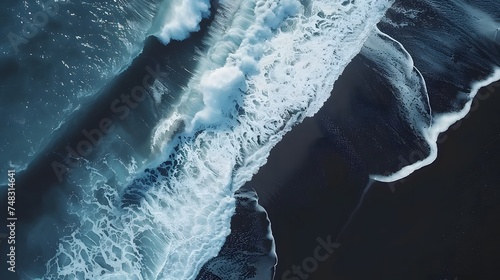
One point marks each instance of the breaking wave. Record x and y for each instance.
(248, 90)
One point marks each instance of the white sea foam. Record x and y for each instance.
(178, 18)
(440, 124)
(250, 89)
(396, 65)
(475, 24)
(400, 81)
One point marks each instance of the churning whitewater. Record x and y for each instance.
(268, 65)
(198, 92)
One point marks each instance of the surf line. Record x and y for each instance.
(451, 121)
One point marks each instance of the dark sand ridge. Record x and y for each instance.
(440, 222)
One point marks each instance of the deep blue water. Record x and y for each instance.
(132, 124)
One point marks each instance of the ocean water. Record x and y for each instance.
(133, 124)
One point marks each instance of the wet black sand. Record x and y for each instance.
(442, 222)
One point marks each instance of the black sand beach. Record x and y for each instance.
(439, 223)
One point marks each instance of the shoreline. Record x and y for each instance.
(297, 193)
(441, 125)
